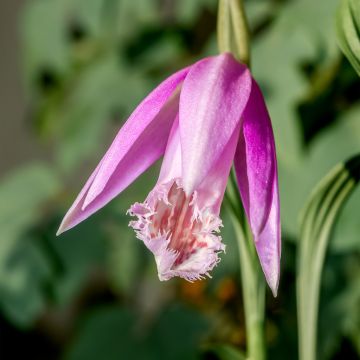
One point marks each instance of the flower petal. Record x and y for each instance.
(268, 244)
(256, 170)
(211, 190)
(139, 143)
(212, 100)
(171, 163)
(145, 132)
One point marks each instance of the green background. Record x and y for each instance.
(72, 71)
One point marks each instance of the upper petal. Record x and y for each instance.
(256, 170)
(139, 143)
(145, 132)
(213, 97)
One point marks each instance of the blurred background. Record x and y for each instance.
(71, 72)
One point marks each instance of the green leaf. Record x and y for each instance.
(298, 35)
(340, 304)
(182, 341)
(303, 176)
(117, 333)
(106, 333)
(90, 101)
(23, 268)
(45, 45)
(226, 352)
(348, 31)
(80, 255)
(76, 70)
(188, 10)
(125, 255)
(318, 218)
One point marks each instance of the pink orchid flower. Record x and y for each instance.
(202, 119)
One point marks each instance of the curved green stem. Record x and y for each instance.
(253, 284)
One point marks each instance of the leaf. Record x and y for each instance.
(93, 98)
(118, 333)
(182, 341)
(257, 11)
(23, 267)
(340, 304)
(298, 35)
(350, 302)
(317, 221)
(23, 272)
(348, 31)
(188, 10)
(303, 176)
(80, 255)
(125, 255)
(226, 352)
(43, 40)
(107, 332)
(76, 70)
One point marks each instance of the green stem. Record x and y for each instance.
(233, 30)
(254, 296)
(233, 36)
(253, 284)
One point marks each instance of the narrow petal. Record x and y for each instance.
(145, 132)
(171, 163)
(139, 143)
(213, 97)
(256, 170)
(268, 244)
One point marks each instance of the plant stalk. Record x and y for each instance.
(233, 36)
(253, 284)
(233, 31)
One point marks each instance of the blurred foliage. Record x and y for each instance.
(86, 64)
(113, 331)
(317, 221)
(348, 29)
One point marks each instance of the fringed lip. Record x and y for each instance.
(184, 239)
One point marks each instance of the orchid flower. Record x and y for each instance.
(202, 119)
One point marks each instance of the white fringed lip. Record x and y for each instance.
(184, 239)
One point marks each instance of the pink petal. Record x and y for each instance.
(256, 170)
(182, 231)
(268, 243)
(213, 97)
(139, 143)
(171, 164)
(211, 190)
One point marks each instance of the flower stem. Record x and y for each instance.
(253, 284)
(233, 36)
(233, 30)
